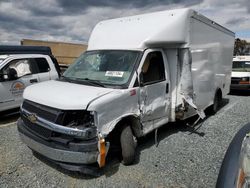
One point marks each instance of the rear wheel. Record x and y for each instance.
(128, 145)
(217, 103)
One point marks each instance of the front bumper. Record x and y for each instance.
(242, 87)
(54, 151)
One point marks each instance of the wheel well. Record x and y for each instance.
(133, 121)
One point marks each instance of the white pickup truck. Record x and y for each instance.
(138, 74)
(22, 66)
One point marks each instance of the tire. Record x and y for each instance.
(128, 145)
(217, 103)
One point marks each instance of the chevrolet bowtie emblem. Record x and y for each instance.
(32, 118)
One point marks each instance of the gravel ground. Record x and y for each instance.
(183, 158)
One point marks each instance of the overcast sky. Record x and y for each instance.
(73, 20)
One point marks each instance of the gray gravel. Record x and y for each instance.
(183, 158)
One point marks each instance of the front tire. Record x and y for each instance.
(128, 145)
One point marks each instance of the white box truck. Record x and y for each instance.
(240, 80)
(138, 74)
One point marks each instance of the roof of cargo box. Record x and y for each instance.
(142, 31)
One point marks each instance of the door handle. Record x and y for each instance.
(33, 80)
(167, 87)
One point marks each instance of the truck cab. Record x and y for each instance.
(19, 70)
(240, 80)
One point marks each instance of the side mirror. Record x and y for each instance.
(141, 83)
(12, 74)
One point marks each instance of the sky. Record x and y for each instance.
(73, 21)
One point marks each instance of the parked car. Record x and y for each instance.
(138, 74)
(240, 80)
(235, 168)
(21, 67)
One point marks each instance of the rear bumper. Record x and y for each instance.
(53, 151)
(240, 87)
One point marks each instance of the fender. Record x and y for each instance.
(133, 119)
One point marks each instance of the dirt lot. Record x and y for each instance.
(184, 157)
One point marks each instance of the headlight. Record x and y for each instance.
(244, 80)
(76, 119)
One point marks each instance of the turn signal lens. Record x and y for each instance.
(244, 80)
(102, 152)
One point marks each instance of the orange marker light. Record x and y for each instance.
(244, 82)
(241, 178)
(102, 152)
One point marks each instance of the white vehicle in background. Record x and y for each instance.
(22, 66)
(240, 79)
(138, 74)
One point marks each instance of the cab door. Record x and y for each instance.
(43, 69)
(11, 89)
(154, 90)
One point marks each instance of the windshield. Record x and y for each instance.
(241, 66)
(108, 67)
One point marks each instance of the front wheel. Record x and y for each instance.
(128, 145)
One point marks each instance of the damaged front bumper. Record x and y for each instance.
(76, 155)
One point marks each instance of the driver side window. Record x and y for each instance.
(153, 68)
(21, 66)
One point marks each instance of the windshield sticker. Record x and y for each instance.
(17, 88)
(114, 73)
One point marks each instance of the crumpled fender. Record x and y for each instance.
(113, 107)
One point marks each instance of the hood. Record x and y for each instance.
(240, 74)
(64, 95)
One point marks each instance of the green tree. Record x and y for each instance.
(240, 47)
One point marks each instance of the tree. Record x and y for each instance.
(240, 47)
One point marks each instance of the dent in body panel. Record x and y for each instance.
(111, 108)
(155, 106)
(171, 56)
(187, 83)
(218, 45)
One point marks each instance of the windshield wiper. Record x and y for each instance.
(65, 78)
(92, 82)
(86, 80)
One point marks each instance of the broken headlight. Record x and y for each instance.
(76, 119)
